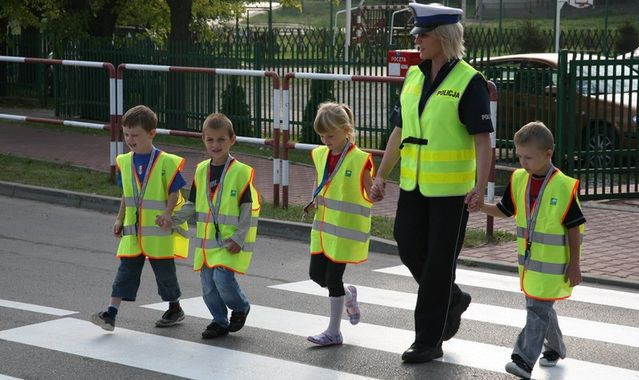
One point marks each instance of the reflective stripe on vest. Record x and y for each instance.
(341, 228)
(238, 178)
(542, 275)
(548, 239)
(446, 165)
(140, 233)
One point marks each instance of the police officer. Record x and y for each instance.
(442, 126)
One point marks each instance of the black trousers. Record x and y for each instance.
(327, 274)
(430, 233)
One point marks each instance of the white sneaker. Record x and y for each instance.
(514, 369)
(352, 307)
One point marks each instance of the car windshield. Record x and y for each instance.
(607, 79)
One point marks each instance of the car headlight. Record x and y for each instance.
(634, 120)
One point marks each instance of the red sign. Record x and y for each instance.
(399, 61)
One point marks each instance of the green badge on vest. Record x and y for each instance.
(233, 193)
(348, 173)
(553, 201)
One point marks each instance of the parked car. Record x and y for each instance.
(604, 101)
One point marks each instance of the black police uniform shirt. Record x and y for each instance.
(474, 104)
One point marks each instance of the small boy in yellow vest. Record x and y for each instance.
(550, 226)
(151, 181)
(226, 205)
(341, 227)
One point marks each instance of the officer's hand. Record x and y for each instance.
(378, 189)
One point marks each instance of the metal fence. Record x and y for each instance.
(590, 103)
(595, 139)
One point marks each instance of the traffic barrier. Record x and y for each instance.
(112, 101)
(490, 189)
(286, 144)
(274, 142)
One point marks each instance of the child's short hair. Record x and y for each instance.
(217, 121)
(141, 116)
(536, 133)
(333, 116)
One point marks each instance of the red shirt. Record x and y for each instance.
(331, 162)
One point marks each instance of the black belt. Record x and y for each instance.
(413, 140)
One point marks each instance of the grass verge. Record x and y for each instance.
(68, 177)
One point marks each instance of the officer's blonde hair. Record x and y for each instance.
(535, 133)
(217, 121)
(332, 117)
(452, 40)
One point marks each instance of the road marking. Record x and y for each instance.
(581, 293)
(139, 350)
(6, 377)
(456, 351)
(36, 308)
(580, 328)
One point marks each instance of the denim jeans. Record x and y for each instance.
(541, 325)
(221, 292)
(127, 279)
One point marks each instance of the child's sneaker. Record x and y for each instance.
(214, 330)
(170, 318)
(352, 307)
(324, 339)
(549, 359)
(103, 320)
(519, 367)
(238, 318)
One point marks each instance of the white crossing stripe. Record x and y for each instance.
(6, 377)
(582, 293)
(136, 349)
(580, 328)
(36, 308)
(393, 340)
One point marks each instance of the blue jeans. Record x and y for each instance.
(127, 279)
(541, 332)
(221, 292)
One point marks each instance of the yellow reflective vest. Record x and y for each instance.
(140, 234)
(445, 166)
(238, 178)
(542, 275)
(342, 224)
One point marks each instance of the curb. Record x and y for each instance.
(268, 227)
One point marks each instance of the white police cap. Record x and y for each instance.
(429, 16)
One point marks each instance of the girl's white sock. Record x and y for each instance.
(337, 309)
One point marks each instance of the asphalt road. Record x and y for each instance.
(63, 258)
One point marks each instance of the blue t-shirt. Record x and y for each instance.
(141, 161)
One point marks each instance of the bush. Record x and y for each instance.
(627, 38)
(234, 106)
(528, 38)
(321, 91)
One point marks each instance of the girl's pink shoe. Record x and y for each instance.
(324, 339)
(352, 307)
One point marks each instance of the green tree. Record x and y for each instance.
(234, 106)
(627, 38)
(321, 91)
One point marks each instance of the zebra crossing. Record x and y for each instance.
(69, 333)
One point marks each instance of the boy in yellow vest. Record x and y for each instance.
(226, 206)
(341, 227)
(151, 181)
(550, 227)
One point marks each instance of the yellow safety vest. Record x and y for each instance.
(342, 224)
(238, 177)
(148, 238)
(542, 276)
(445, 166)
